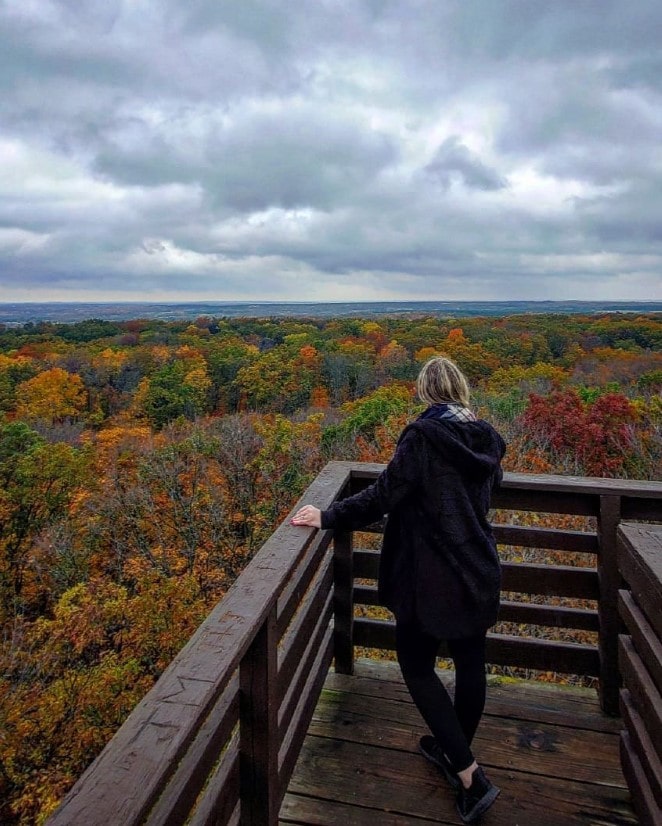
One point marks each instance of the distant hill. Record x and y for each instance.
(64, 312)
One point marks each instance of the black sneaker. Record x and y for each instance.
(429, 748)
(472, 802)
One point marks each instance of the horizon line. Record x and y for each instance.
(353, 301)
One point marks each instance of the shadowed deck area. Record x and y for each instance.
(550, 749)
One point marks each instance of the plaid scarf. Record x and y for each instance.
(454, 412)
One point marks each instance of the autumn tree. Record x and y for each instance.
(599, 435)
(37, 481)
(105, 379)
(349, 369)
(472, 359)
(53, 395)
(280, 380)
(540, 377)
(395, 363)
(363, 418)
(288, 460)
(175, 389)
(225, 358)
(69, 680)
(13, 371)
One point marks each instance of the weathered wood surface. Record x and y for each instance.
(528, 613)
(537, 702)
(220, 803)
(550, 749)
(297, 638)
(609, 578)
(298, 727)
(554, 539)
(646, 642)
(343, 600)
(550, 580)
(191, 775)
(302, 575)
(553, 616)
(502, 649)
(645, 696)
(258, 731)
(304, 668)
(639, 552)
(536, 482)
(521, 577)
(642, 798)
(639, 743)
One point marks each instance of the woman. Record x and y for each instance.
(439, 568)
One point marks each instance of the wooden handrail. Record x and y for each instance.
(217, 737)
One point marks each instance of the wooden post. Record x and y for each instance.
(609, 579)
(343, 601)
(258, 729)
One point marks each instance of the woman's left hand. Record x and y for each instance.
(309, 516)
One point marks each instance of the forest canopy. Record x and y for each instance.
(144, 462)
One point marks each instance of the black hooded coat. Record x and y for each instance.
(439, 565)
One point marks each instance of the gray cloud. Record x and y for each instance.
(454, 161)
(269, 149)
(288, 156)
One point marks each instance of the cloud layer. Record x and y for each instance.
(334, 150)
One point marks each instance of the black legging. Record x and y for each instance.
(453, 725)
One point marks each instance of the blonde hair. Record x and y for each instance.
(440, 380)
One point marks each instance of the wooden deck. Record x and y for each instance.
(550, 749)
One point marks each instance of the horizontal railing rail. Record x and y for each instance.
(216, 739)
(640, 605)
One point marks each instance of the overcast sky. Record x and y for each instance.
(330, 149)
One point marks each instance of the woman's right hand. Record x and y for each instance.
(308, 516)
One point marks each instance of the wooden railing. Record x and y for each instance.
(640, 605)
(216, 739)
(608, 501)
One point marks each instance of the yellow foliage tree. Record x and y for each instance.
(506, 378)
(198, 379)
(110, 360)
(53, 395)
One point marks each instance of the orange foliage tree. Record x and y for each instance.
(473, 359)
(53, 395)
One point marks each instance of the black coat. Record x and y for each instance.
(439, 565)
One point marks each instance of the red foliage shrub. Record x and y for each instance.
(600, 435)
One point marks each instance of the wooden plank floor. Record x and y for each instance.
(549, 749)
